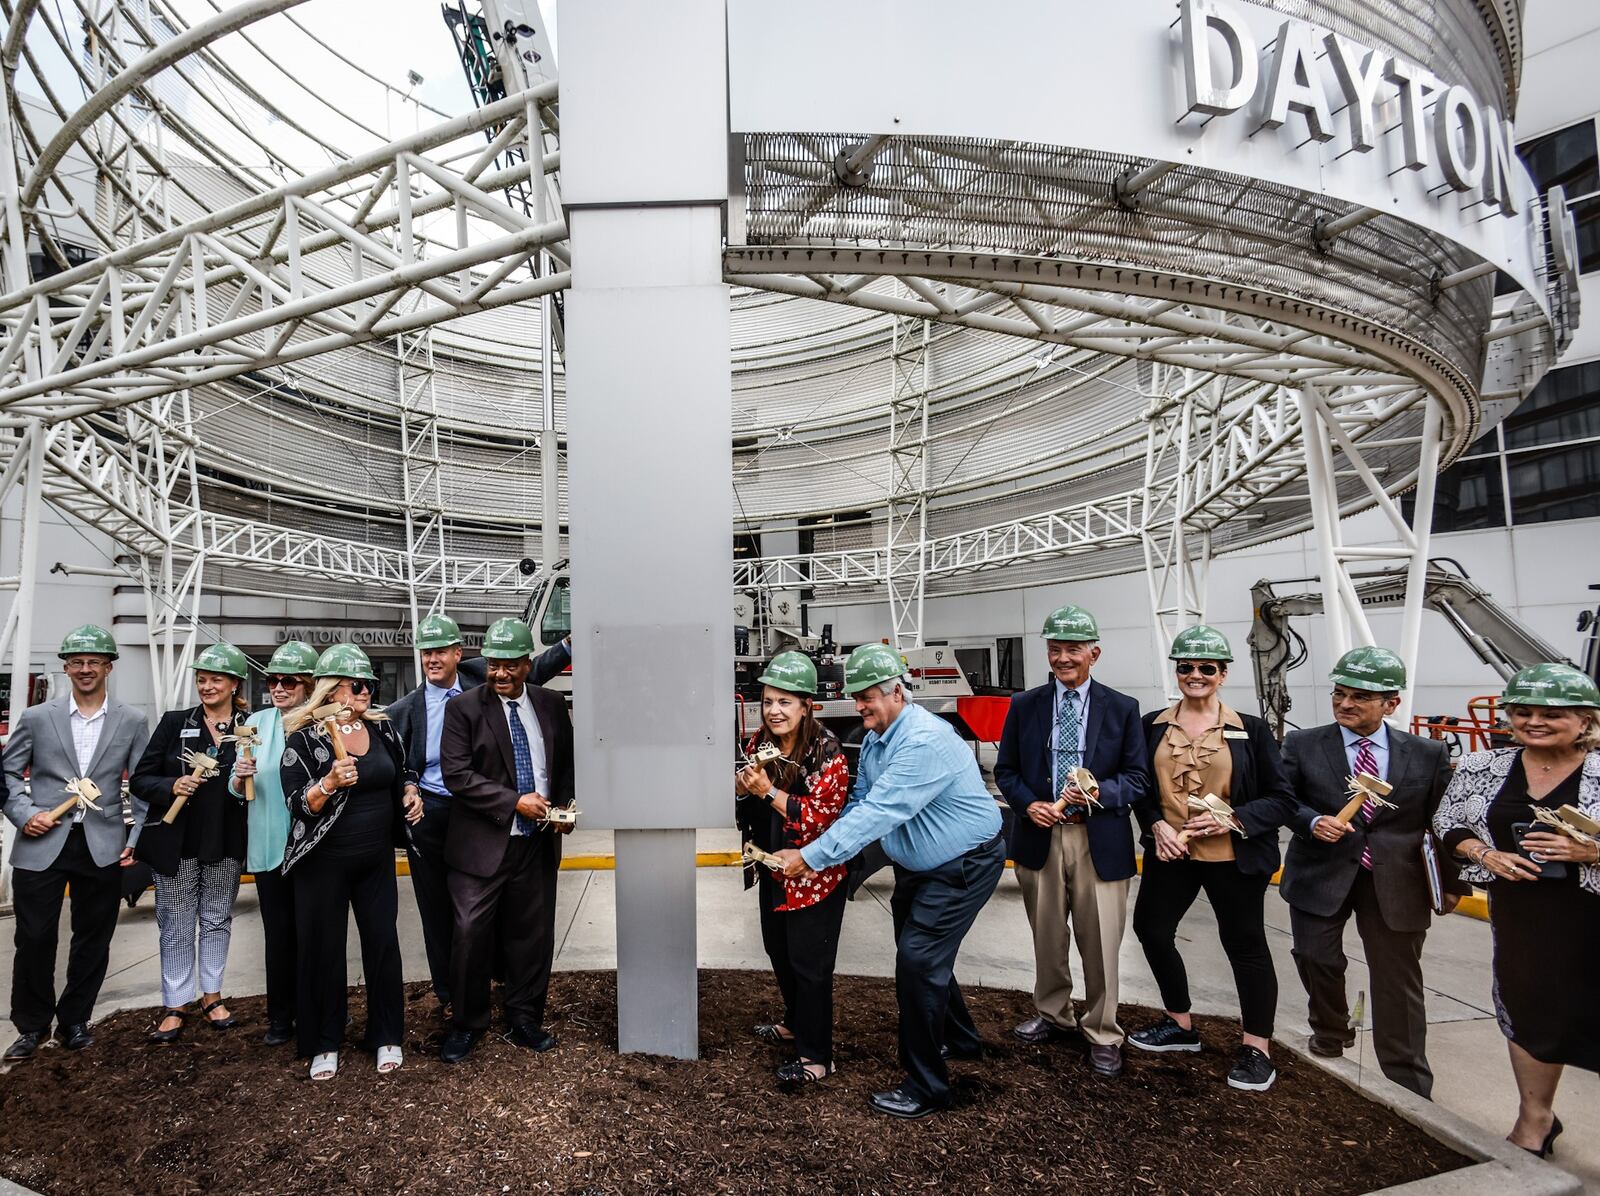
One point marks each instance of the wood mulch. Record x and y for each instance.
(223, 1113)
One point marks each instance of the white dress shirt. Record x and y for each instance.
(523, 708)
(86, 729)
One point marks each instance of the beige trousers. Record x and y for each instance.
(1068, 887)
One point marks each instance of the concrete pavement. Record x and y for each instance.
(1468, 1054)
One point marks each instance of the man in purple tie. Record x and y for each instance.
(1371, 867)
(506, 757)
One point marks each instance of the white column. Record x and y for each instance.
(1417, 573)
(1320, 483)
(649, 419)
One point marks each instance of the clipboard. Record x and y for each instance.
(1430, 865)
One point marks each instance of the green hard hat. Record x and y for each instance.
(222, 658)
(1200, 643)
(1071, 623)
(869, 665)
(508, 639)
(1376, 669)
(344, 660)
(88, 640)
(438, 631)
(791, 671)
(1551, 685)
(292, 657)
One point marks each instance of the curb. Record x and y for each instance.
(1500, 1167)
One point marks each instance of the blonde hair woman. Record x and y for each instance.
(1544, 887)
(347, 815)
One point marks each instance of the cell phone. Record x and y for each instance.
(1548, 869)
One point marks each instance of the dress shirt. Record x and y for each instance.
(530, 724)
(918, 789)
(85, 739)
(434, 697)
(1379, 740)
(1059, 694)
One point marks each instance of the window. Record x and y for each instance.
(1469, 496)
(1551, 484)
(1564, 406)
(1567, 158)
(556, 623)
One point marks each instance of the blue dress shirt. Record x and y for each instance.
(435, 697)
(1380, 753)
(918, 789)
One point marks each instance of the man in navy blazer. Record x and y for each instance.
(1073, 863)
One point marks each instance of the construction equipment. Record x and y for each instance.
(1497, 638)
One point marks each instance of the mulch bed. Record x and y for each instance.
(221, 1112)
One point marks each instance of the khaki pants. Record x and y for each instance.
(1067, 886)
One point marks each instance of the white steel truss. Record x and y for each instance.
(421, 470)
(1174, 573)
(905, 550)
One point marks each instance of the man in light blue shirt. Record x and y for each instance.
(918, 791)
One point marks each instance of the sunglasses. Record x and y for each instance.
(1205, 670)
(360, 685)
(284, 682)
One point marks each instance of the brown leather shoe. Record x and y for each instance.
(1106, 1060)
(1039, 1029)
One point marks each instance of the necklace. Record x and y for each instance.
(348, 728)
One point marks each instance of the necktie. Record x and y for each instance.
(1066, 739)
(1368, 763)
(522, 753)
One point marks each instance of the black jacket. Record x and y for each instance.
(212, 822)
(1317, 876)
(307, 756)
(1114, 753)
(1259, 793)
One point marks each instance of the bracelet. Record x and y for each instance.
(322, 784)
(1477, 860)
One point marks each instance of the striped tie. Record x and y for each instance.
(1067, 724)
(1368, 763)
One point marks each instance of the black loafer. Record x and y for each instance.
(458, 1045)
(1325, 1046)
(902, 1104)
(77, 1036)
(1106, 1060)
(278, 1033)
(25, 1046)
(963, 1055)
(534, 1038)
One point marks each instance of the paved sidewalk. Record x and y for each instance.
(1465, 1046)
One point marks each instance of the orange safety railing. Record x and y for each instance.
(1478, 732)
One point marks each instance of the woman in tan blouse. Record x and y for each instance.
(1200, 748)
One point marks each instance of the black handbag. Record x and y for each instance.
(161, 846)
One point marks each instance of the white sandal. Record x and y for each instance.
(389, 1059)
(325, 1066)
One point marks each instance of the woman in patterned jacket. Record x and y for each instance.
(1544, 885)
(788, 802)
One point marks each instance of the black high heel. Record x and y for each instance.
(168, 1037)
(226, 1023)
(799, 1072)
(1547, 1147)
(768, 1033)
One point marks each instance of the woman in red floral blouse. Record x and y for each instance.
(787, 803)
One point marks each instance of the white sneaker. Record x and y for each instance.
(389, 1058)
(325, 1066)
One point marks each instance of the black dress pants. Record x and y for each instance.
(429, 882)
(1167, 890)
(803, 945)
(37, 898)
(933, 911)
(1394, 965)
(327, 889)
(275, 892)
(512, 913)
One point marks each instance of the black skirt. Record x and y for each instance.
(1546, 966)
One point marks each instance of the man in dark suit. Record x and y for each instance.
(506, 757)
(1073, 863)
(1371, 867)
(419, 718)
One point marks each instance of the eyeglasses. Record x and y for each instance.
(1205, 670)
(284, 682)
(1356, 695)
(360, 685)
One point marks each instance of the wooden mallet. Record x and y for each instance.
(329, 716)
(1087, 785)
(84, 793)
(1220, 812)
(561, 816)
(1364, 787)
(247, 738)
(202, 768)
(754, 855)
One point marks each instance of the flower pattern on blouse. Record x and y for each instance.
(827, 784)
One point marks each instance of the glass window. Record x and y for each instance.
(1568, 158)
(1559, 483)
(1564, 406)
(556, 623)
(1469, 495)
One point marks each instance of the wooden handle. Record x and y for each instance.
(63, 809)
(250, 781)
(331, 726)
(1351, 808)
(178, 802)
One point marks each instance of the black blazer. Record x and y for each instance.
(211, 826)
(307, 756)
(1317, 876)
(1114, 751)
(1259, 793)
(409, 714)
(480, 771)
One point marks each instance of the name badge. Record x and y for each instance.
(189, 733)
(1236, 735)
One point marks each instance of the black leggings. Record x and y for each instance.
(1167, 890)
(327, 889)
(803, 944)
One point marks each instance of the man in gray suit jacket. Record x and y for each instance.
(1371, 867)
(85, 733)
